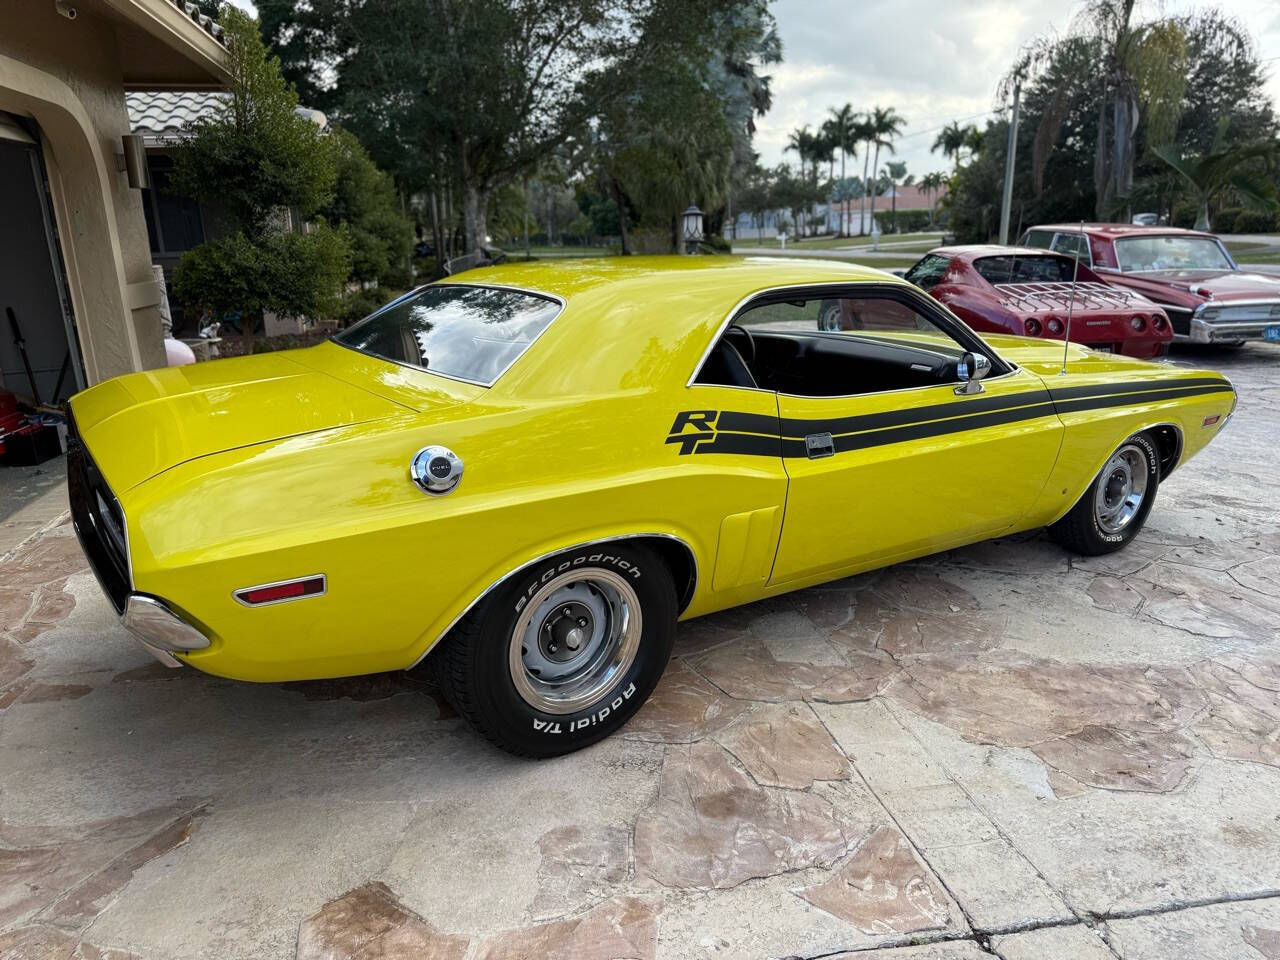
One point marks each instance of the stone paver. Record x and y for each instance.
(998, 751)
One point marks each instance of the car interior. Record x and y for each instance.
(832, 347)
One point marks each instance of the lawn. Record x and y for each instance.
(1241, 246)
(922, 241)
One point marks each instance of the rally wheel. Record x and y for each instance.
(564, 653)
(1117, 503)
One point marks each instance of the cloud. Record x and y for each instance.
(933, 62)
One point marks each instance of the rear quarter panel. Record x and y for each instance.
(402, 565)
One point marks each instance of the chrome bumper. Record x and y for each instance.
(1228, 331)
(161, 631)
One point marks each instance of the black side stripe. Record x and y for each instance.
(1070, 393)
(897, 418)
(757, 434)
(1129, 400)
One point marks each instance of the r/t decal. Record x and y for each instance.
(693, 427)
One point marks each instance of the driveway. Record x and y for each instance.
(1001, 751)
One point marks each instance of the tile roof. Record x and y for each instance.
(205, 23)
(168, 114)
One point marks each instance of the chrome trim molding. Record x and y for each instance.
(324, 588)
(575, 546)
(152, 622)
(555, 298)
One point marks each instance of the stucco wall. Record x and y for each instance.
(66, 74)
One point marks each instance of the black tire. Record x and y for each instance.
(474, 660)
(1081, 531)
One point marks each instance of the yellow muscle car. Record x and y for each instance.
(531, 472)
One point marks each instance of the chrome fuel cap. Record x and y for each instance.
(436, 470)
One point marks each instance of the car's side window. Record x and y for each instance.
(929, 271)
(1072, 244)
(1038, 238)
(836, 346)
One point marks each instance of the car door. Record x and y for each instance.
(886, 457)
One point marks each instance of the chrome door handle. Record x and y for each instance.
(819, 445)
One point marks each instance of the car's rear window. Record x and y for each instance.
(1027, 268)
(469, 333)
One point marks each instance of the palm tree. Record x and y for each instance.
(951, 141)
(886, 124)
(1138, 67)
(844, 126)
(930, 183)
(895, 170)
(864, 132)
(1224, 169)
(811, 148)
(974, 141)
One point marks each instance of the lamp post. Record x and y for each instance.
(692, 228)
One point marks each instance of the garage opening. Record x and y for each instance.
(40, 356)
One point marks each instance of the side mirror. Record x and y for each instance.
(971, 368)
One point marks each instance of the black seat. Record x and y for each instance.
(726, 367)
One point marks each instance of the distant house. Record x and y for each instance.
(75, 265)
(176, 223)
(748, 226)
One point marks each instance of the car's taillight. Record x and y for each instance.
(284, 590)
(1138, 322)
(1054, 326)
(1159, 322)
(1032, 326)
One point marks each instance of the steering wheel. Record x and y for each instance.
(742, 340)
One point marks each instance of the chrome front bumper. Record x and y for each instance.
(1205, 331)
(161, 631)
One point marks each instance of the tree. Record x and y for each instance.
(885, 125)
(895, 170)
(459, 98)
(865, 133)
(365, 203)
(931, 183)
(1224, 168)
(952, 140)
(843, 126)
(682, 132)
(1139, 69)
(974, 204)
(258, 159)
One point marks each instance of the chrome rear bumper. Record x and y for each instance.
(161, 631)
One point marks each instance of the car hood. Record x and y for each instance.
(142, 424)
(1222, 285)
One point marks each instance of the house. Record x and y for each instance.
(75, 261)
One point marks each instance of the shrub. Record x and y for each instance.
(1256, 221)
(1224, 221)
(717, 243)
(909, 221)
(1184, 215)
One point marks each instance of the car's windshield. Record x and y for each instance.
(464, 332)
(1170, 252)
(1025, 268)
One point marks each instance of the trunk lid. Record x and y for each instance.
(142, 424)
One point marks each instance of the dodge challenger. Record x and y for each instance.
(527, 474)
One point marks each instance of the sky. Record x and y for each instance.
(933, 62)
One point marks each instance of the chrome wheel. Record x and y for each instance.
(829, 317)
(573, 640)
(1121, 489)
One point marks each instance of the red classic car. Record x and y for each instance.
(1191, 275)
(1031, 292)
